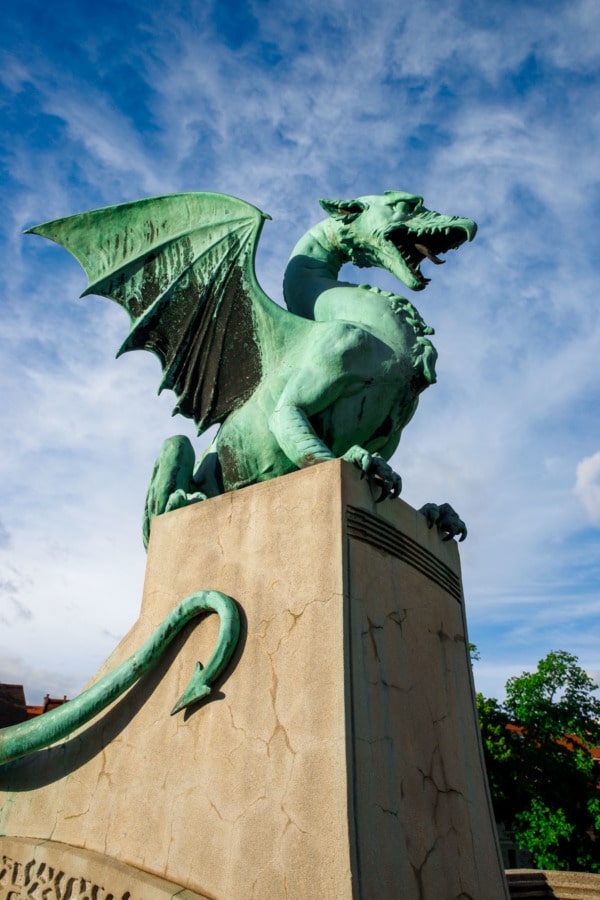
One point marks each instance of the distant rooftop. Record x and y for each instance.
(14, 709)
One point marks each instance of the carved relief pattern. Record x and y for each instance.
(34, 880)
(362, 526)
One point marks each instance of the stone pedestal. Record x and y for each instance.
(338, 758)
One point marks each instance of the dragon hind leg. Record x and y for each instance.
(208, 477)
(172, 481)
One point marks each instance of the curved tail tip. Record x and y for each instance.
(192, 694)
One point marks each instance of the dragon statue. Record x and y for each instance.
(337, 374)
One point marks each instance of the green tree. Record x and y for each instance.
(543, 778)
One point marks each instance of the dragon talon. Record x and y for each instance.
(447, 520)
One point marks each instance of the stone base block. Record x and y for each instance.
(532, 884)
(340, 755)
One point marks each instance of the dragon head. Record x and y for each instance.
(394, 231)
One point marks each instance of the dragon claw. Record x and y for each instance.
(180, 498)
(447, 520)
(377, 470)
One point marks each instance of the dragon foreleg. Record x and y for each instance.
(298, 440)
(35, 734)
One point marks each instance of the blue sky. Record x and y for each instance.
(490, 111)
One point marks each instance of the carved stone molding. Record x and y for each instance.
(49, 870)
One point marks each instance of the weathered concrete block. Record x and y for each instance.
(340, 757)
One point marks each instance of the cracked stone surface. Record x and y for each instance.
(339, 758)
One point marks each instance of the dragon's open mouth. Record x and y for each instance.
(415, 246)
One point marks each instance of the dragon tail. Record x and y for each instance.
(35, 734)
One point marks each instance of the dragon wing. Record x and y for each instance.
(182, 266)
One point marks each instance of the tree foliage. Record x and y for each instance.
(543, 778)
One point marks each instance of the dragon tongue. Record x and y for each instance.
(427, 252)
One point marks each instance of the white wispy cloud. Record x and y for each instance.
(587, 485)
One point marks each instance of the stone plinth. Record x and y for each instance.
(339, 758)
(532, 884)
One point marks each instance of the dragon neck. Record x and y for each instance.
(313, 268)
(311, 290)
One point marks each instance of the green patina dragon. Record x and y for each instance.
(338, 375)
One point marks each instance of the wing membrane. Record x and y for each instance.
(182, 266)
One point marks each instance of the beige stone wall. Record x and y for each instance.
(340, 757)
